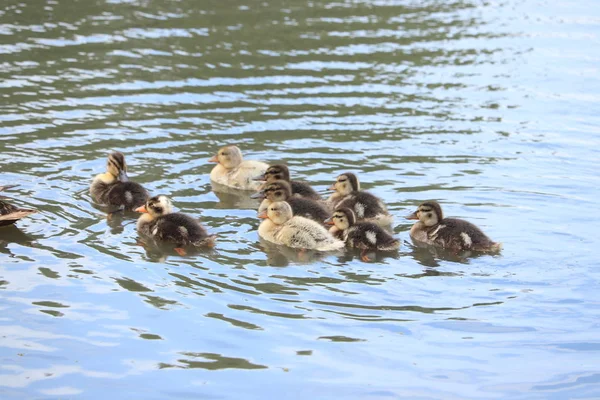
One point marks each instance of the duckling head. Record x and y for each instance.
(278, 212)
(229, 157)
(275, 191)
(429, 213)
(116, 166)
(157, 206)
(277, 172)
(346, 184)
(343, 218)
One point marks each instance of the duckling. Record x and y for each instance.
(114, 189)
(10, 214)
(282, 191)
(451, 233)
(361, 235)
(163, 225)
(281, 172)
(233, 171)
(367, 207)
(280, 226)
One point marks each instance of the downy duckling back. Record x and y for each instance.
(450, 233)
(163, 225)
(114, 189)
(281, 172)
(232, 171)
(281, 227)
(281, 191)
(367, 207)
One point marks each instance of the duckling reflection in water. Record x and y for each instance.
(366, 207)
(10, 214)
(280, 226)
(450, 233)
(160, 223)
(232, 171)
(281, 172)
(360, 235)
(114, 189)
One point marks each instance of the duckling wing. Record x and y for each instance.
(10, 214)
(462, 235)
(364, 204)
(304, 233)
(178, 228)
(243, 176)
(366, 235)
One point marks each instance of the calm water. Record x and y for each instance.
(491, 107)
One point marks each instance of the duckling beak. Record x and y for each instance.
(332, 187)
(213, 159)
(260, 177)
(262, 214)
(141, 209)
(123, 176)
(258, 195)
(329, 221)
(412, 216)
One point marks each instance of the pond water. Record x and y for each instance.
(492, 108)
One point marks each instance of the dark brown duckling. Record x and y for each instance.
(163, 225)
(450, 233)
(360, 235)
(114, 189)
(281, 172)
(281, 191)
(366, 207)
(10, 214)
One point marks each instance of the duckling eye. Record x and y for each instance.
(158, 209)
(429, 215)
(224, 154)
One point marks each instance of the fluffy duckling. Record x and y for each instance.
(282, 191)
(361, 235)
(10, 214)
(163, 225)
(233, 171)
(113, 187)
(280, 226)
(451, 233)
(281, 172)
(366, 207)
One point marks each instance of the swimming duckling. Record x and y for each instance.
(163, 225)
(366, 207)
(281, 172)
(10, 214)
(233, 171)
(451, 233)
(360, 235)
(280, 226)
(114, 189)
(282, 191)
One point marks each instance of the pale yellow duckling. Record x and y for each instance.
(450, 233)
(366, 207)
(281, 227)
(233, 171)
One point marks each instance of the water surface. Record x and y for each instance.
(490, 107)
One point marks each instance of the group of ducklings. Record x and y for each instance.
(293, 213)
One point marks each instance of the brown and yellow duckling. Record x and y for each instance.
(160, 223)
(280, 226)
(281, 172)
(10, 214)
(450, 233)
(114, 189)
(282, 191)
(232, 171)
(366, 206)
(360, 235)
